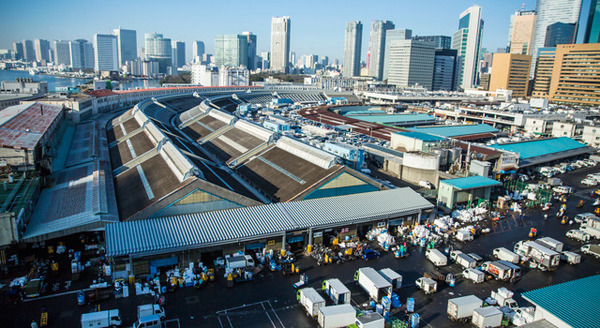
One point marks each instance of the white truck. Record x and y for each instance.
(428, 285)
(373, 283)
(239, 261)
(571, 257)
(578, 235)
(591, 249)
(436, 257)
(584, 217)
(545, 258)
(335, 316)
(151, 321)
(461, 308)
(504, 297)
(337, 291)
(370, 320)
(474, 275)
(310, 300)
(503, 253)
(101, 319)
(150, 309)
(551, 243)
(593, 222)
(392, 277)
(487, 317)
(594, 232)
(498, 270)
(463, 259)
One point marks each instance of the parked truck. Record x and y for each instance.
(545, 258)
(428, 285)
(463, 259)
(498, 270)
(571, 257)
(474, 275)
(101, 319)
(337, 291)
(310, 300)
(591, 249)
(335, 316)
(373, 283)
(503, 253)
(578, 235)
(436, 257)
(461, 308)
(487, 317)
(504, 297)
(392, 277)
(515, 269)
(551, 243)
(239, 261)
(594, 232)
(150, 309)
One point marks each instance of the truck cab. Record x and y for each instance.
(151, 321)
(150, 309)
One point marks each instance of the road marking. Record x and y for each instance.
(267, 313)
(274, 312)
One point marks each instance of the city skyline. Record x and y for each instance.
(314, 32)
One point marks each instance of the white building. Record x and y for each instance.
(105, 53)
(591, 135)
(410, 63)
(567, 129)
(62, 53)
(377, 47)
(352, 45)
(204, 75)
(542, 126)
(237, 76)
(197, 51)
(280, 43)
(467, 41)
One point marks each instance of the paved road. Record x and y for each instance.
(270, 301)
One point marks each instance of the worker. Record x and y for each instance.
(34, 324)
(546, 217)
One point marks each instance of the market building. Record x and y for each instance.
(541, 151)
(465, 190)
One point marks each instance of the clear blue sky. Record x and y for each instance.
(317, 26)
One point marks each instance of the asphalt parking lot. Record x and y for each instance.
(270, 301)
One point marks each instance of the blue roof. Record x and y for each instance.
(420, 136)
(393, 118)
(456, 130)
(476, 181)
(535, 148)
(574, 302)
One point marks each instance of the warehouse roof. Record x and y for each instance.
(476, 181)
(543, 147)
(393, 118)
(456, 130)
(574, 302)
(420, 136)
(23, 126)
(213, 228)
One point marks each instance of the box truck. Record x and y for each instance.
(310, 300)
(498, 270)
(503, 253)
(373, 283)
(436, 257)
(570, 257)
(546, 258)
(551, 243)
(463, 259)
(101, 319)
(337, 291)
(335, 316)
(428, 285)
(474, 275)
(150, 309)
(594, 232)
(578, 235)
(461, 308)
(591, 249)
(370, 320)
(392, 277)
(487, 317)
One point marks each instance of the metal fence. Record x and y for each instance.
(542, 195)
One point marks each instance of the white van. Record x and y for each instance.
(563, 190)
(151, 321)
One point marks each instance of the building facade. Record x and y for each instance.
(467, 41)
(376, 54)
(411, 63)
(28, 51)
(440, 41)
(574, 75)
(252, 58)
(548, 13)
(204, 75)
(106, 56)
(352, 47)
(592, 30)
(231, 50)
(543, 72)
(560, 33)
(81, 54)
(159, 49)
(197, 51)
(42, 50)
(390, 37)
(18, 49)
(522, 26)
(126, 44)
(591, 135)
(178, 48)
(511, 72)
(445, 70)
(62, 52)
(280, 44)
(234, 76)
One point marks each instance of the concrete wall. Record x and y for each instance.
(8, 229)
(414, 175)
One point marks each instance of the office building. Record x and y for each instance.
(231, 50)
(352, 47)
(265, 60)
(410, 63)
(252, 58)
(204, 75)
(574, 75)
(444, 70)
(548, 13)
(592, 30)
(467, 41)
(233, 76)
(520, 35)
(178, 49)
(376, 54)
(510, 72)
(28, 51)
(42, 50)
(197, 51)
(560, 33)
(18, 49)
(158, 49)
(105, 53)
(543, 72)
(392, 35)
(126, 44)
(439, 41)
(62, 52)
(81, 54)
(280, 44)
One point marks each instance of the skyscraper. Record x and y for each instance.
(42, 49)
(377, 47)
(390, 36)
(550, 12)
(159, 49)
(252, 59)
(439, 41)
(352, 46)
(81, 54)
(231, 50)
(543, 72)
(592, 30)
(410, 62)
(18, 48)
(62, 52)
(467, 41)
(280, 43)
(559, 33)
(520, 35)
(28, 51)
(178, 48)
(105, 53)
(510, 72)
(126, 44)
(444, 70)
(197, 51)
(584, 89)
(266, 60)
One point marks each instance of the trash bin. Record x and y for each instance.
(131, 279)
